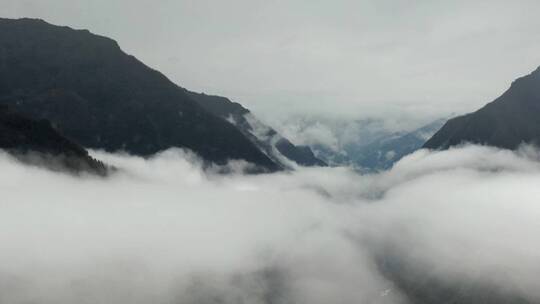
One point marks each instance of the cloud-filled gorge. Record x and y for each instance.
(457, 223)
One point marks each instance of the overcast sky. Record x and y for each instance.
(353, 58)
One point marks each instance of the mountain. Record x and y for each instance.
(367, 144)
(37, 142)
(382, 153)
(275, 146)
(336, 141)
(102, 98)
(507, 122)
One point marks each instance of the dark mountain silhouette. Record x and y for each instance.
(267, 139)
(103, 98)
(507, 122)
(37, 142)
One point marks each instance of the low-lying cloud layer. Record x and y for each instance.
(162, 230)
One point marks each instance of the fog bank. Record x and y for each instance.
(163, 230)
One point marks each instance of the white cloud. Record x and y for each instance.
(162, 230)
(312, 133)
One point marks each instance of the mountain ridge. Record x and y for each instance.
(273, 144)
(507, 122)
(103, 98)
(39, 143)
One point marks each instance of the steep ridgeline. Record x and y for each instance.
(38, 143)
(277, 147)
(103, 98)
(507, 122)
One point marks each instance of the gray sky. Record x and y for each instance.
(332, 58)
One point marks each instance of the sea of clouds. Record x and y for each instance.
(163, 230)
